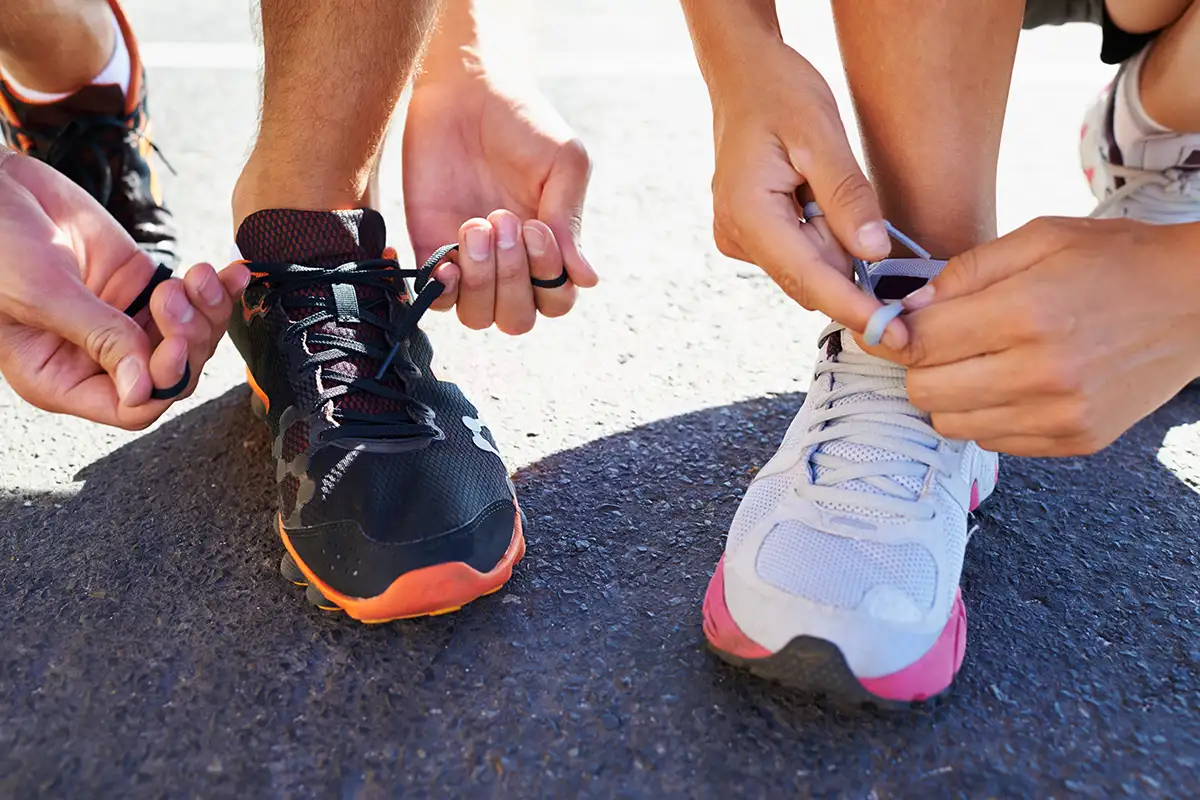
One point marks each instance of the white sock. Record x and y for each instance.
(1130, 120)
(118, 70)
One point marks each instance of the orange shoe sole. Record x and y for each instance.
(425, 592)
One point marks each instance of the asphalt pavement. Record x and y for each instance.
(149, 647)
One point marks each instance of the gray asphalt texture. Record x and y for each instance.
(149, 648)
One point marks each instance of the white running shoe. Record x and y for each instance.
(841, 570)
(1154, 180)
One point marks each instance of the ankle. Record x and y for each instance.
(60, 52)
(263, 185)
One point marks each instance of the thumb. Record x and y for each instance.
(114, 341)
(561, 208)
(846, 196)
(990, 263)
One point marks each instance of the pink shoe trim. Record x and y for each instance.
(933, 673)
(974, 496)
(719, 628)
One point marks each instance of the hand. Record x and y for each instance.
(67, 270)
(778, 138)
(1056, 339)
(500, 172)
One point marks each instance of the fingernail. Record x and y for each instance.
(535, 241)
(128, 372)
(893, 336)
(508, 233)
(920, 298)
(479, 243)
(179, 307)
(873, 239)
(211, 290)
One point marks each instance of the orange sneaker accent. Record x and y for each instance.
(135, 58)
(425, 592)
(266, 401)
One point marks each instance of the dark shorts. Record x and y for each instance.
(1118, 45)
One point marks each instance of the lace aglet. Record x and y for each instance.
(387, 363)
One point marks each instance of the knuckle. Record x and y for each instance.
(1076, 420)
(851, 191)
(517, 327)
(102, 344)
(576, 155)
(477, 278)
(510, 270)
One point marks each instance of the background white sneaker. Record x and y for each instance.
(841, 570)
(1154, 177)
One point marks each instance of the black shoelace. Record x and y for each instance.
(77, 150)
(283, 283)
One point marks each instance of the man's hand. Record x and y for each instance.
(500, 172)
(779, 140)
(1056, 339)
(67, 271)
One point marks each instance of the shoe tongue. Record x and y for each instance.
(312, 238)
(896, 278)
(327, 239)
(103, 100)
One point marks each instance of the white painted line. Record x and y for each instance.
(200, 55)
(245, 56)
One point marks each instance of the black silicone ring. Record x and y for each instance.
(174, 391)
(551, 284)
(142, 300)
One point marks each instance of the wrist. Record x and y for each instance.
(454, 49)
(728, 37)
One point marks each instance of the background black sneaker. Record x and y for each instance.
(100, 139)
(394, 501)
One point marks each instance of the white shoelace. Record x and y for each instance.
(868, 406)
(1157, 194)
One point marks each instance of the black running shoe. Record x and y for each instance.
(101, 140)
(394, 501)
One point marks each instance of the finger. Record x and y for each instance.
(774, 241)
(844, 193)
(109, 338)
(515, 308)
(477, 280)
(177, 319)
(546, 264)
(235, 278)
(448, 274)
(990, 263)
(973, 384)
(956, 330)
(169, 361)
(174, 314)
(208, 295)
(561, 208)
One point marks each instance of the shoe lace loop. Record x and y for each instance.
(285, 285)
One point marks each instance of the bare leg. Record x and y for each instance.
(55, 45)
(334, 73)
(1144, 16)
(930, 81)
(1170, 91)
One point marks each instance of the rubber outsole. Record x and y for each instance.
(816, 670)
(426, 592)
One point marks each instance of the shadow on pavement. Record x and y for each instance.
(151, 648)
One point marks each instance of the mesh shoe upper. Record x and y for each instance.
(392, 470)
(855, 530)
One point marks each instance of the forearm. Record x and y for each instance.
(472, 32)
(726, 33)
